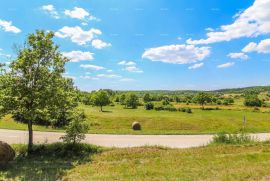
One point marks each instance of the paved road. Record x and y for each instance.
(120, 141)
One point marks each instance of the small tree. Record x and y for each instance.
(101, 99)
(123, 99)
(146, 98)
(149, 106)
(132, 101)
(77, 128)
(202, 98)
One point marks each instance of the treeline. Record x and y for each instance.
(164, 101)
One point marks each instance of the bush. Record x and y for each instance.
(223, 138)
(159, 108)
(59, 150)
(76, 129)
(149, 106)
(169, 108)
(187, 110)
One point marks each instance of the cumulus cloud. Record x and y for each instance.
(130, 66)
(240, 55)
(92, 67)
(77, 34)
(196, 66)
(226, 65)
(109, 75)
(8, 27)
(79, 13)
(76, 56)
(262, 47)
(252, 22)
(50, 10)
(99, 44)
(177, 54)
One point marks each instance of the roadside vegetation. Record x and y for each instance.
(86, 162)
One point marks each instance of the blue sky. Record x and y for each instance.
(149, 44)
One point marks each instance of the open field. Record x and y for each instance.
(220, 162)
(117, 120)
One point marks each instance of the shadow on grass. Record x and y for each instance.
(48, 162)
(104, 111)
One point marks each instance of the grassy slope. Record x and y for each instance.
(209, 163)
(118, 121)
(216, 162)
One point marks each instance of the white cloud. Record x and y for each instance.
(261, 47)
(89, 77)
(226, 65)
(109, 71)
(196, 66)
(99, 44)
(252, 22)
(177, 54)
(126, 80)
(240, 55)
(92, 67)
(133, 69)
(77, 35)
(127, 63)
(76, 56)
(130, 66)
(79, 13)
(8, 27)
(50, 10)
(209, 29)
(108, 75)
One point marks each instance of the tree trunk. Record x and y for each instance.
(101, 109)
(30, 138)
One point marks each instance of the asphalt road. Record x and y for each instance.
(119, 141)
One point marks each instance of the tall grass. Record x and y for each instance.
(240, 138)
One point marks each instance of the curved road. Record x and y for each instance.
(119, 141)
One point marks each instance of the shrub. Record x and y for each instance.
(159, 108)
(187, 110)
(59, 150)
(149, 106)
(241, 138)
(76, 129)
(169, 108)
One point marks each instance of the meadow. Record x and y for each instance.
(220, 162)
(117, 120)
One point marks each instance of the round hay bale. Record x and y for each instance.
(6, 153)
(136, 126)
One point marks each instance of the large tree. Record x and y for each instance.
(34, 85)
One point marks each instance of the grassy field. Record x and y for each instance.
(117, 120)
(214, 162)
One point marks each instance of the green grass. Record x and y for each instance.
(117, 120)
(215, 162)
